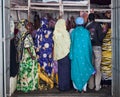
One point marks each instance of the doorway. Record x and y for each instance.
(5, 37)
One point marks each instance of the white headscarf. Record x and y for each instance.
(61, 40)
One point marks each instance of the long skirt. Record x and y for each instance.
(64, 74)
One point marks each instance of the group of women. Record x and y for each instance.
(38, 51)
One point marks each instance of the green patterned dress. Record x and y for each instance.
(28, 69)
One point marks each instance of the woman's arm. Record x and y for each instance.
(29, 51)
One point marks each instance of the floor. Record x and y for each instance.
(104, 92)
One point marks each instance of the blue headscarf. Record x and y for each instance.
(79, 21)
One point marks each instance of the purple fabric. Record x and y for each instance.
(55, 67)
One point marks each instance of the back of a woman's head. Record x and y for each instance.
(60, 24)
(79, 21)
(36, 21)
(91, 17)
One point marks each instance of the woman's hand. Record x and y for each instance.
(33, 57)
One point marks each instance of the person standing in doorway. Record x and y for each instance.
(80, 55)
(44, 49)
(61, 39)
(97, 36)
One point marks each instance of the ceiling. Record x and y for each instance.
(101, 2)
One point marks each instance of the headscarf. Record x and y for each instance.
(61, 40)
(44, 45)
(60, 26)
(22, 27)
(79, 21)
(44, 23)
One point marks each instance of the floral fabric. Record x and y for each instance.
(28, 68)
(44, 46)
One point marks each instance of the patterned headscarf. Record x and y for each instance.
(21, 25)
(44, 23)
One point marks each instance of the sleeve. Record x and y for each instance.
(101, 33)
(89, 46)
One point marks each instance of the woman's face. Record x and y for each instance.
(21, 26)
(29, 26)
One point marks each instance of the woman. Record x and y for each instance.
(28, 74)
(61, 50)
(44, 48)
(36, 26)
(81, 56)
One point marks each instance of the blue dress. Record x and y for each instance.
(44, 46)
(81, 57)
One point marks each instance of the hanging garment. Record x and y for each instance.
(13, 64)
(12, 26)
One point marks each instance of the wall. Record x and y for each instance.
(116, 47)
(4, 47)
(19, 15)
(1, 59)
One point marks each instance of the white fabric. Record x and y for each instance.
(13, 83)
(84, 88)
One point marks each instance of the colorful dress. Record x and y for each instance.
(44, 48)
(28, 68)
(81, 57)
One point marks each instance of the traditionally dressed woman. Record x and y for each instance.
(28, 66)
(61, 51)
(81, 56)
(44, 49)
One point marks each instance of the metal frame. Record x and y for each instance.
(1, 50)
(116, 48)
(62, 6)
(4, 48)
